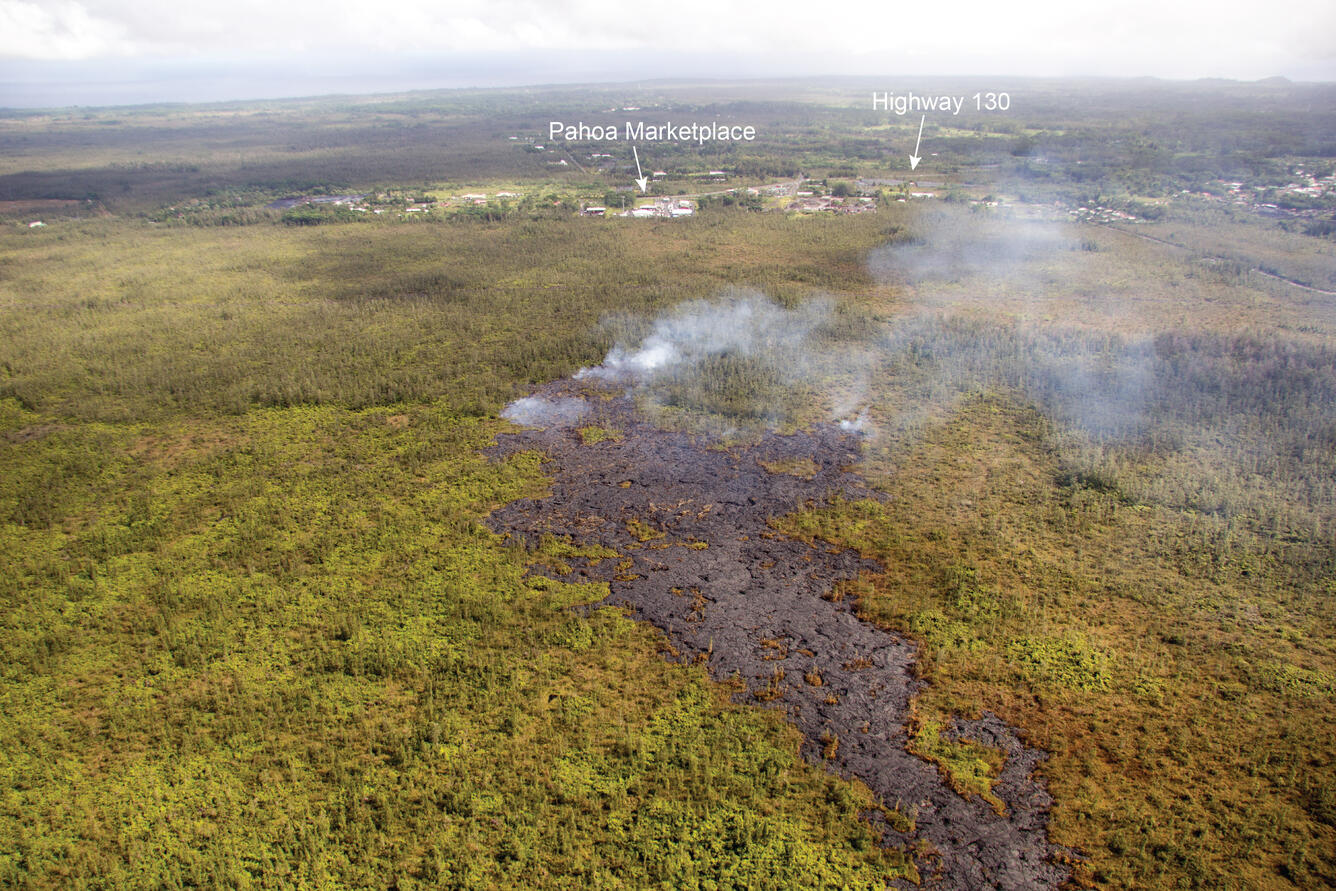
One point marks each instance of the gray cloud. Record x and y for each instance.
(1047, 37)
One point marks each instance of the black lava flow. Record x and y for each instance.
(707, 569)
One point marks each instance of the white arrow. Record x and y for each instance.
(914, 158)
(641, 179)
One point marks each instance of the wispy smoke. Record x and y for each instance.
(541, 411)
(974, 285)
(952, 245)
(857, 424)
(744, 323)
(741, 358)
(1245, 423)
(745, 359)
(1096, 383)
(977, 319)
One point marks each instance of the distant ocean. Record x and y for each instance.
(29, 84)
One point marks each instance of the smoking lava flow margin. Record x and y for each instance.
(699, 561)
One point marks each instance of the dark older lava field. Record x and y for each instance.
(689, 518)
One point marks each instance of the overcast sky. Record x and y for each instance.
(50, 48)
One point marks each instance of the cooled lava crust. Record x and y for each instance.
(706, 569)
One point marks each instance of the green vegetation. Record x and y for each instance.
(747, 388)
(593, 435)
(1065, 662)
(1175, 669)
(281, 649)
(116, 320)
(970, 768)
(805, 468)
(255, 633)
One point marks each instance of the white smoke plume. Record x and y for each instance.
(857, 424)
(541, 411)
(746, 358)
(743, 324)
